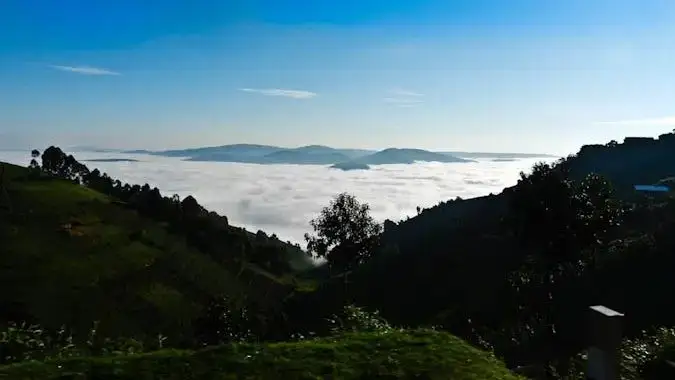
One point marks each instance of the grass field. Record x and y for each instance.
(420, 354)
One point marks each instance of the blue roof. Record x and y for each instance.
(652, 188)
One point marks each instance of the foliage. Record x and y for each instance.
(514, 273)
(105, 257)
(564, 239)
(345, 233)
(224, 321)
(19, 342)
(357, 319)
(415, 354)
(24, 342)
(559, 224)
(57, 163)
(644, 357)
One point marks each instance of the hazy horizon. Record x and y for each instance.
(282, 199)
(88, 148)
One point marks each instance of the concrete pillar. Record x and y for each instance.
(606, 330)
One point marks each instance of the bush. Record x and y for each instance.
(646, 357)
(24, 342)
(357, 319)
(19, 342)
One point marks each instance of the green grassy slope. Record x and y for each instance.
(70, 255)
(395, 355)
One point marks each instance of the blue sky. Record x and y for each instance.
(480, 75)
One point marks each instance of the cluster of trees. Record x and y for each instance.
(513, 272)
(205, 230)
(345, 235)
(516, 272)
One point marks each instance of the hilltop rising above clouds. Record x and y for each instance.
(321, 155)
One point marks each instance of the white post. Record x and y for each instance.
(605, 339)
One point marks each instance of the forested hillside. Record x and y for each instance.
(126, 270)
(517, 271)
(95, 269)
(79, 246)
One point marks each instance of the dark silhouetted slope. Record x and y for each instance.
(637, 161)
(459, 251)
(71, 255)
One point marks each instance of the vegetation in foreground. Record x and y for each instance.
(511, 273)
(415, 354)
(110, 245)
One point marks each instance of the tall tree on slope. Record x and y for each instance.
(345, 234)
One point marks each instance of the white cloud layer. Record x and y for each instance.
(295, 94)
(85, 70)
(282, 199)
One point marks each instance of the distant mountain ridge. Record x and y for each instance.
(346, 159)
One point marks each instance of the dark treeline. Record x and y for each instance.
(513, 272)
(255, 315)
(516, 272)
(204, 229)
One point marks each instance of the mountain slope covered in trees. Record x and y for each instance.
(512, 273)
(517, 271)
(123, 255)
(99, 271)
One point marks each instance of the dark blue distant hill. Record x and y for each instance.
(264, 154)
(225, 152)
(350, 165)
(406, 156)
(396, 156)
(345, 159)
(295, 156)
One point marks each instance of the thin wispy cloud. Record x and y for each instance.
(406, 93)
(295, 94)
(659, 121)
(85, 70)
(403, 98)
(402, 101)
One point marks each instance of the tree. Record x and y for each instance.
(345, 233)
(56, 162)
(34, 154)
(4, 195)
(559, 225)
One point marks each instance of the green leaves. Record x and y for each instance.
(346, 234)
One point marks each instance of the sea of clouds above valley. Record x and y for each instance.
(282, 199)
